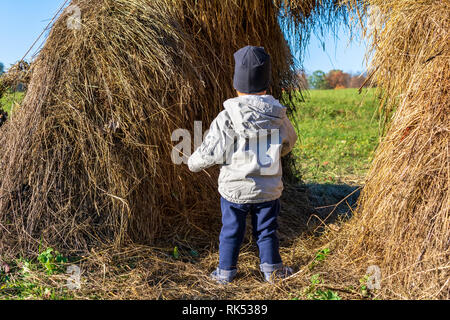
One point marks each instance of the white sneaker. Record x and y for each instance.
(223, 276)
(275, 271)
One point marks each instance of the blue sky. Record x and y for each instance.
(340, 53)
(21, 22)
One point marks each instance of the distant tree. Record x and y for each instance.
(318, 80)
(337, 79)
(2, 68)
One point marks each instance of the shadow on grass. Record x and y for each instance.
(308, 208)
(334, 199)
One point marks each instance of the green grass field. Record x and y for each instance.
(8, 100)
(338, 133)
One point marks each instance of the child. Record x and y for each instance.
(247, 140)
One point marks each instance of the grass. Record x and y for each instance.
(43, 278)
(9, 99)
(338, 133)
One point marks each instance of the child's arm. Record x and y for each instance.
(215, 147)
(289, 136)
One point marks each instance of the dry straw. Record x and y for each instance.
(18, 74)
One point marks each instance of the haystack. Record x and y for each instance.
(87, 158)
(17, 77)
(403, 221)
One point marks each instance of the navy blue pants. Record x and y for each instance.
(264, 222)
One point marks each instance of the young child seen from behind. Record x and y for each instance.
(247, 139)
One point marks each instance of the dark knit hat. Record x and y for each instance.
(252, 70)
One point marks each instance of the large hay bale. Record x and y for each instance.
(86, 159)
(403, 223)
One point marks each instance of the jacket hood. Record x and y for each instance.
(251, 113)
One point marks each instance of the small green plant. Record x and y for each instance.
(363, 286)
(51, 260)
(25, 279)
(321, 255)
(325, 295)
(315, 293)
(176, 253)
(9, 100)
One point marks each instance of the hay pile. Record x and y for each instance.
(86, 159)
(17, 77)
(403, 221)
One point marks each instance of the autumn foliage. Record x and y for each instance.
(337, 79)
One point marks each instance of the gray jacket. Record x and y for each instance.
(247, 139)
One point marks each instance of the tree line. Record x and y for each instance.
(334, 79)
